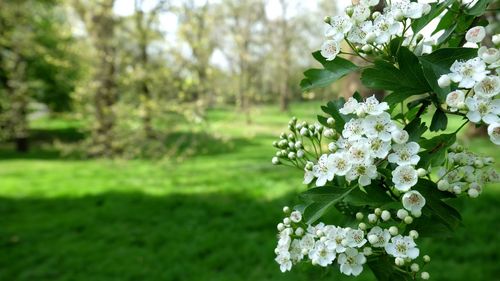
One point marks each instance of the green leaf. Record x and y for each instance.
(372, 195)
(479, 8)
(439, 63)
(435, 150)
(320, 200)
(436, 10)
(439, 121)
(415, 129)
(332, 108)
(384, 269)
(434, 204)
(333, 70)
(404, 82)
(446, 34)
(446, 21)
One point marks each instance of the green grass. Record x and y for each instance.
(208, 217)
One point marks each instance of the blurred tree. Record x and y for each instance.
(38, 63)
(100, 25)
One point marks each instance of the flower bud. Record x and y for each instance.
(330, 121)
(286, 221)
(275, 161)
(359, 216)
(286, 209)
(291, 145)
(367, 251)
(398, 15)
(304, 131)
(413, 234)
(329, 133)
(298, 144)
(457, 189)
(370, 37)
(444, 81)
(496, 39)
(296, 216)
(408, 219)
(416, 213)
(327, 20)
(367, 48)
(299, 231)
(443, 185)
(275, 143)
(393, 230)
(372, 218)
(300, 153)
(425, 275)
(349, 10)
(421, 172)
(473, 193)
(291, 155)
(399, 261)
(378, 211)
(427, 258)
(414, 267)
(319, 233)
(362, 226)
(478, 163)
(281, 226)
(372, 238)
(332, 147)
(386, 215)
(402, 213)
(376, 14)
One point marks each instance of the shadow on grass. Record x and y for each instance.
(120, 236)
(184, 144)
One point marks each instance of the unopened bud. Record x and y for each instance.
(372, 218)
(275, 161)
(359, 216)
(393, 230)
(413, 234)
(399, 261)
(402, 213)
(327, 19)
(362, 226)
(444, 81)
(427, 258)
(386, 215)
(421, 172)
(408, 219)
(425, 275)
(330, 121)
(286, 209)
(414, 267)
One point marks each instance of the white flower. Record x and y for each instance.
(359, 151)
(351, 262)
(384, 27)
(444, 81)
(296, 254)
(353, 129)
(408, 9)
(355, 238)
(339, 25)
(321, 254)
(296, 216)
(360, 13)
(307, 242)
(413, 201)
(455, 99)
(488, 55)
(405, 154)
(402, 247)
(379, 126)
(350, 106)
(378, 237)
(404, 177)
(359, 33)
(483, 109)
(468, 73)
(330, 49)
(284, 261)
(363, 172)
(494, 133)
(475, 34)
(335, 236)
(373, 107)
(379, 148)
(323, 170)
(340, 163)
(400, 136)
(488, 87)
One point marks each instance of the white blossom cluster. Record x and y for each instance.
(368, 138)
(325, 245)
(369, 31)
(466, 172)
(478, 86)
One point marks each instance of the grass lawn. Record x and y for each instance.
(208, 217)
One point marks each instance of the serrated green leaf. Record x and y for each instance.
(333, 70)
(320, 200)
(404, 82)
(439, 121)
(436, 9)
(415, 129)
